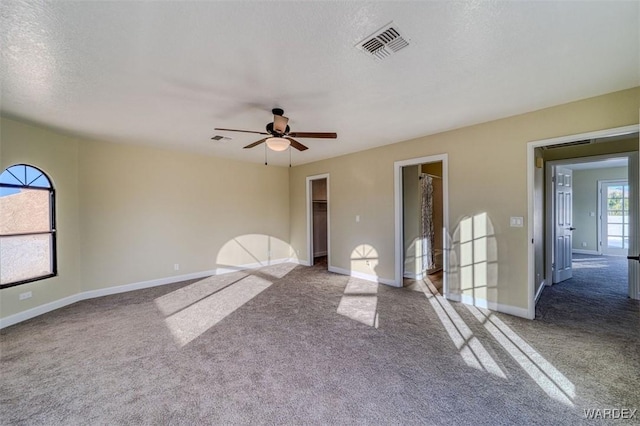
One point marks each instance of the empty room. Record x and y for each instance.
(266, 212)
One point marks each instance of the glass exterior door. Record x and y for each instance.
(615, 218)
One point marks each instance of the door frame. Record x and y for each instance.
(398, 208)
(601, 235)
(309, 191)
(531, 146)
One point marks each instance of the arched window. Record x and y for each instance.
(27, 226)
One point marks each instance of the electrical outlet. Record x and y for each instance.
(176, 266)
(584, 244)
(357, 218)
(25, 295)
(516, 222)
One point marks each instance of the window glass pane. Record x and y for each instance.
(25, 257)
(9, 178)
(25, 211)
(626, 191)
(614, 229)
(626, 242)
(41, 182)
(8, 191)
(626, 229)
(614, 242)
(32, 174)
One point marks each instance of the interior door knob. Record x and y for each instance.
(572, 229)
(634, 258)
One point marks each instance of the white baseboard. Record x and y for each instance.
(482, 303)
(91, 294)
(413, 276)
(579, 251)
(363, 276)
(39, 310)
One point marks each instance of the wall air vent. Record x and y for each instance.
(384, 42)
(566, 144)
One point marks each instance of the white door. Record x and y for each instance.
(614, 217)
(563, 224)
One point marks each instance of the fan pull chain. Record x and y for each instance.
(289, 155)
(265, 154)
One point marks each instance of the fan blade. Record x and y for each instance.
(256, 143)
(313, 135)
(280, 123)
(297, 145)
(244, 131)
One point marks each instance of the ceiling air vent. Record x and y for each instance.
(220, 138)
(384, 42)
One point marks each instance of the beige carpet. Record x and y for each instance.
(295, 345)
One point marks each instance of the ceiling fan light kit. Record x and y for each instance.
(278, 144)
(279, 134)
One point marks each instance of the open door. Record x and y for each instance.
(563, 212)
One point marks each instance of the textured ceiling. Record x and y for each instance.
(167, 73)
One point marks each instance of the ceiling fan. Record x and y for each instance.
(279, 135)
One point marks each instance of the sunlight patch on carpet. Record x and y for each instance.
(550, 380)
(360, 301)
(199, 306)
(471, 350)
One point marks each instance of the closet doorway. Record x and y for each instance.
(318, 220)
(421, 220)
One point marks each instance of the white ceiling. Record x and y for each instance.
(167, 73)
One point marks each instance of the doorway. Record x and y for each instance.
(318, 220)
(589, 157)
(421, 203)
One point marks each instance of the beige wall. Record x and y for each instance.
(57, 155)
(585, 200)
(487, 174)
(144, 210)
(127, 214)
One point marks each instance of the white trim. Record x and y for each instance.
(362, 276)
(531, 146)
(539, 293)
(483, 303)
(634, 226)
(91, 294)
(592, 252)
(414, 276)
(39, 310)
(397, 200)
(310, 218)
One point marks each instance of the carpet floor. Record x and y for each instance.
(288, 344)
